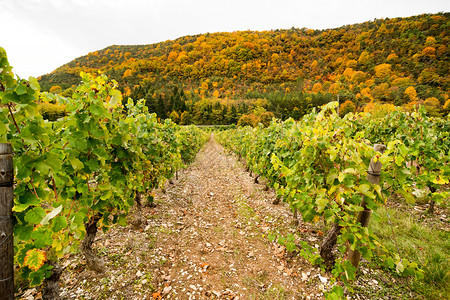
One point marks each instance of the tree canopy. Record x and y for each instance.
(394, 61)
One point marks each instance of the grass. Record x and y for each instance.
(275, 292)
(151, 241)
(244, 210)
(428, 247)
(256, 283)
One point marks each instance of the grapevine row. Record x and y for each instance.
(83, 171)
(319, 166)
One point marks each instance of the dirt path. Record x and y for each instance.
(207, 238)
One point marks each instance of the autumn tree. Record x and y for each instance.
(430, 41)
(334, 88)
(358, 77)
(410, 93)
(314, 66)
(378, 110)
(347, 107)
(429, 52)
(55, 89)
(433, 107)
(382, 71)
(317, 88)
(364, 58)
(172, 56)
(392, 57)
(127, 73)
(429, 77)
(265, 118)
(446, 107)
(352, 64)
(348, 73)
(401, 81)
(247, 120)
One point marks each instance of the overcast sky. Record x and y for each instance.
(41, 35)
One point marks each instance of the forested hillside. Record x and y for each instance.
(214, 78)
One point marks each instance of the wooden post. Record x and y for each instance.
(338, 105)
(373, 176)
(6, 223)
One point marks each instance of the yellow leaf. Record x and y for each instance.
(57, 245)
(116, 98)
(35, 259)
(440, 181)
(316, 218)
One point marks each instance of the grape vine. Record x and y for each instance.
(319, 166)
(83, 171)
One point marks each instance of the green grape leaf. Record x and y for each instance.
(389, 262)
(408, 197)
(21, 89)
(35, 215)
(10, 97)
(38, 276)
(34, 84)
(76, 163)
(321, 204)
(59, 223)
(92, 164)
(42, 237)
(3, 128)
(42, 167)
(97, 110)
(365, 190)
(440, 180)
(22, 207)
(53, 160)
(23, 232)
(26, 200)
(27, 98)
(399, 267)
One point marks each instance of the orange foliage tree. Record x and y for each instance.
(411, 94)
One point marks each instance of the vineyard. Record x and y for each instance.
(82, 172)
(105, 194)
(329, 168)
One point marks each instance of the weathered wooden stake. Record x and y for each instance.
(6, 223)
(373, 176)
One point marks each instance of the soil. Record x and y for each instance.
(208, 236)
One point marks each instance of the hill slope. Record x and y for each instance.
(396, 61)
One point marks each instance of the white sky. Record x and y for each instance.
(41, 35)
